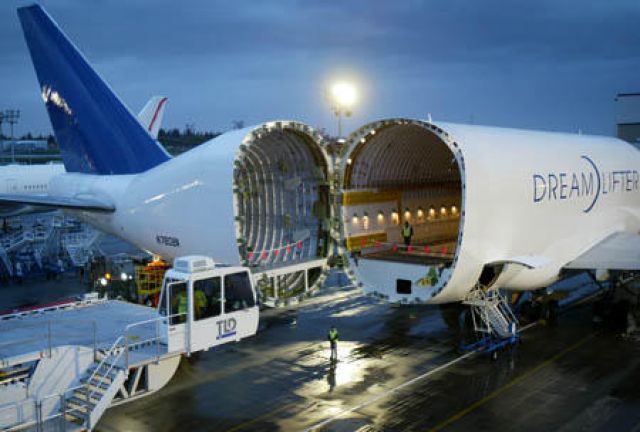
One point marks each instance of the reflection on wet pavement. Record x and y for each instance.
(282, 379)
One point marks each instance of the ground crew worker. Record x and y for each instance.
(200, 303)
(407, 233)
(333, 340)
(181, 298)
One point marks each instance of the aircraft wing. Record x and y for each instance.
(619, 251)
(47, 201)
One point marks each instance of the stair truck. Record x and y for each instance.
(76, 359)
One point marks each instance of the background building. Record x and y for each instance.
(25, 145)
(628, 117)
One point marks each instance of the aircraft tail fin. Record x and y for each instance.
(95, 131)
(151, 115)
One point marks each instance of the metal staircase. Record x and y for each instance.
(79, 245)
(491, 313)
(85, 404)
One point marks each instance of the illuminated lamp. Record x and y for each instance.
(395, 216)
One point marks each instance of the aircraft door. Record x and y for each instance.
(174, 305)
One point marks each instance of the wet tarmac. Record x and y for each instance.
(394, 374)
(567, 377)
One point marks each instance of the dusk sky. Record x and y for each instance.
(543, 64)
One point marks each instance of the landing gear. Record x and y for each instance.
(617, 309)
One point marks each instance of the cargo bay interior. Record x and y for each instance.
(402, 171)
(282, 199)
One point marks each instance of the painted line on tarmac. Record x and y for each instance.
(510, 384)
(403, 385)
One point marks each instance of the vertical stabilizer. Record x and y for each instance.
(95, 130)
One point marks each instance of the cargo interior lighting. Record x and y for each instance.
(443, 211)
(380, 217)
(354, 219)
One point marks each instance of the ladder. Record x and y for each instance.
(491, 313)
(86, 403)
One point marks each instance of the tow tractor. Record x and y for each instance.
(79, 358)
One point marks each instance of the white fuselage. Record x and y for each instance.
(527, 195)
(536, 194)
(26, 180)
(182, 207)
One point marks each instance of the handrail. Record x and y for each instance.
(157, 336)
(119, 347)
(103, 362)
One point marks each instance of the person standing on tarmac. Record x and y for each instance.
(333, 341)
(407, 233)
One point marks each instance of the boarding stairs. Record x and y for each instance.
(79, 245)
(84, 405)
(491, 313)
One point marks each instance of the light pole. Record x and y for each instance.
(12, 117)
(342, 96)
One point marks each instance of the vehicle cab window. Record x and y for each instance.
(174, 301)
(238, 294)
(206, 298)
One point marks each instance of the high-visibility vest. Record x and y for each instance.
(200, 299)
(406, 231)
(182, 303)
(333, 335)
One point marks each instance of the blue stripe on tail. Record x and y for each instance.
(96, 132)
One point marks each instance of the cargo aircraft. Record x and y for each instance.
(490, 207)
